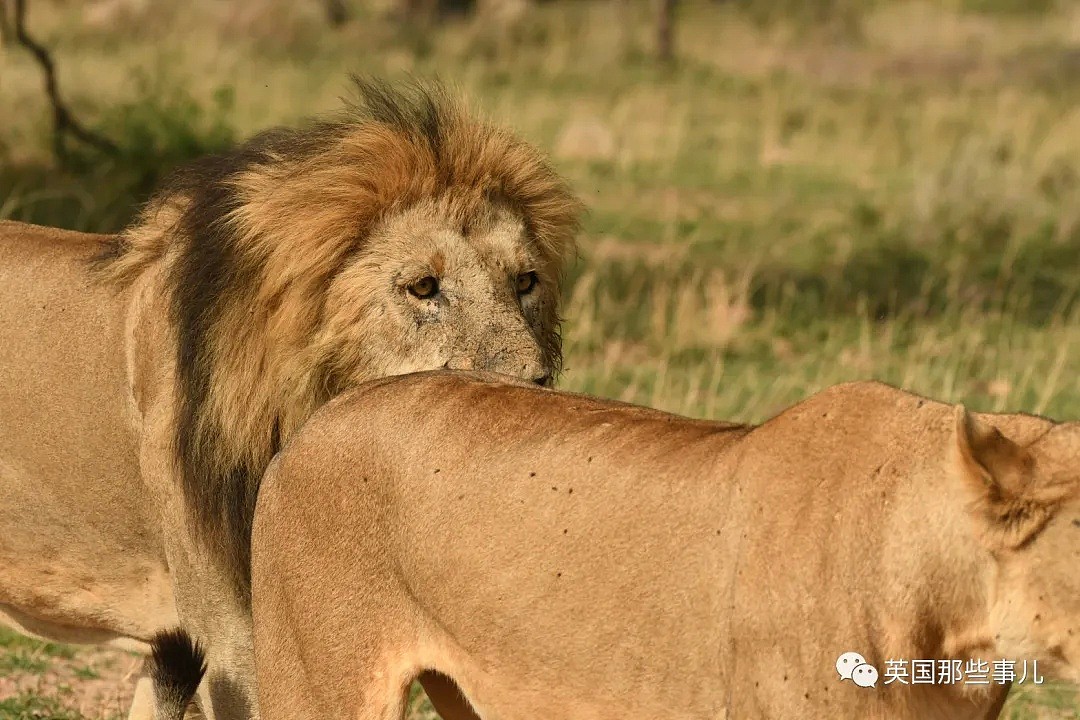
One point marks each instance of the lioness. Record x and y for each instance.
(146, 379)
(566, 557)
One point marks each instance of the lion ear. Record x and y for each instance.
(999, 473)
(987, 456)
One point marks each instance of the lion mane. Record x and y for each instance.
(249, 239)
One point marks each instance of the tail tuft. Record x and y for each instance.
(177, 665)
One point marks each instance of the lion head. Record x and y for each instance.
(404, 235)
(1025, 502)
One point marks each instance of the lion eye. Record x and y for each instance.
(526, 282)
(425, 288)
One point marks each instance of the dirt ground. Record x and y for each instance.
(46, 681)
(42, 680)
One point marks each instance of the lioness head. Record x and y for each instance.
(403, 236)
(1026, 508)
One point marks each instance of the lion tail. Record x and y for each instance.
(177, 666)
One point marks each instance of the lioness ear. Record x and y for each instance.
(999, 472)
(987, 455)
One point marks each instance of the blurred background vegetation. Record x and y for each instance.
(782, 194)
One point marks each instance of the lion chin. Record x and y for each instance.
(146, 379)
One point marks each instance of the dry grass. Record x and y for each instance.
(889, 191)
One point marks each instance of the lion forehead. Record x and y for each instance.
(425, 239)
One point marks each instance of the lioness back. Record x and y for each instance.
(563, 555)
(509, 521)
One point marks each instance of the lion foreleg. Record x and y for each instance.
(210, 612)
(205, 599)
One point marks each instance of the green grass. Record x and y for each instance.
(87, 673)
(16, 662)
(20, 654)
(30, 706)
(46, 698)
(814, 192)
(1051, 700)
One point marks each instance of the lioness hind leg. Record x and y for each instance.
(390, 706)
(341, 693)
(318, 673)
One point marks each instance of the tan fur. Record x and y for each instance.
(572, 558)
(146, 379)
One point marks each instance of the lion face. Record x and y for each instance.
(429, 292)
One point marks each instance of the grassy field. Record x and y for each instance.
(880, 190)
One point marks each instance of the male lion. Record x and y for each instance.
(147, 379)
(562, 557)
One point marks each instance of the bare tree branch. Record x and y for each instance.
(64, 123)
(5, 24)
(665, 30)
